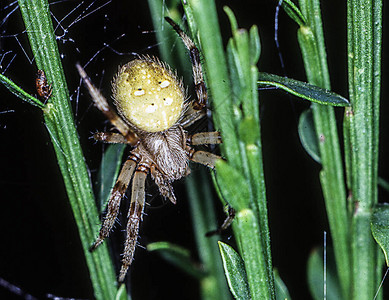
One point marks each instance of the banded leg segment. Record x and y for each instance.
(203, 138)
(111, 138)
(102, 104)
(134, 218)
(201, 91)
(114, 201)
(205, 158)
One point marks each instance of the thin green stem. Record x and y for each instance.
(214, 285)
(312, 45)
(60, 124)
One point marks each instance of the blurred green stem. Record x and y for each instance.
(214, 285)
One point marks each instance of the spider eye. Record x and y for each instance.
(148, 95)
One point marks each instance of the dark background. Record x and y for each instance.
(40, 248)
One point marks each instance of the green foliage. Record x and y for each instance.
(178, 256)
(235, 272)
(58, 118)
(380, 228)
(317, 268)
(303, 90)
(353, 272)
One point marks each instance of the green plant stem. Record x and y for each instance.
(172, 51)
(235, 114)
(364, 35)
(60, 124)
(214, 285)
(311, 41)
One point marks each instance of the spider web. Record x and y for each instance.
(100, 36)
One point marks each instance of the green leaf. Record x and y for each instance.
(294, 12)
(316, 271)
(16, 90)
(235, 272)
(282, 292)
(108, 172)
(121, 293)
(308, 137)
(233, 185)
(383, 183)
(380, 228)
(178, 256)
(303, 90)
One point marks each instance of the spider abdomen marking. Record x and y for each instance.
(149, 95)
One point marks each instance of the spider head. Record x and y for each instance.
(148, 94)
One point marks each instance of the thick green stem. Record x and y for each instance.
(364, 23)
(232, 80)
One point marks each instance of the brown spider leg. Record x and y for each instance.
(203, 138)
(164, 186)
(201, 91)
(110, 137)
(192, 116)
(134, 218)
(203, 157)
(114, 201)
(227, 222)
(104, 107)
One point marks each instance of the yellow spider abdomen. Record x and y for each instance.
(148, 95)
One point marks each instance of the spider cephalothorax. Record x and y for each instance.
(154, 112)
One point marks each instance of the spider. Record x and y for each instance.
(154, 111)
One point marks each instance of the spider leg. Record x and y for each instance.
(104, 107)
(203, 138)
(192, 116)
(134, 218)
(203, 157)
(111, 137)
(165, 188)
(201, 91)
(114, 201)
(227, 222)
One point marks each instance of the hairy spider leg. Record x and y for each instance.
(103, 106)
(110, 138)
(203, 157)
(134, 218)
(201, 92)
(117, 194)
(203, 138)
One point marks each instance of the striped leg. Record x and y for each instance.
(203, 138)
(111, 137)
(201, 91)
(104, 107)
(134, 218)
(205, 158)
(114, 202)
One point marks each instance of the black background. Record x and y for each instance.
(40, 248)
